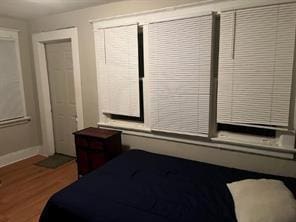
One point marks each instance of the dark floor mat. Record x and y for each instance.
(55, 161)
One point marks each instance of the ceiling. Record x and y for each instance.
(30, 9)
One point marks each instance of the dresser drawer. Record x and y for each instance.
(89, 143)
(81, 141)
(96, 159)
(95, 144)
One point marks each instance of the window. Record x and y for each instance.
(12, 102)
(180, 60)
(255, 79)
(256, 66)
(247, 55)
(118, 70)
(141, 77)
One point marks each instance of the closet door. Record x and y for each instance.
(118, 70)
(180, 61)
(256, 65)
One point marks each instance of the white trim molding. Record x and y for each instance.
(39, 40)
(10, 158)
(14, 122)
(272, 151)
(283, 153)
(198, 8)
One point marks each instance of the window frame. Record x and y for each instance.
(106, 120)
(291, 113)
(13, 35)
(284, 135)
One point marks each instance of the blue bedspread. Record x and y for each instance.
(143, 187)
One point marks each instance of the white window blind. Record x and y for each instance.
(180, 74)
(256, 65)
(11, 89)
(118, 71)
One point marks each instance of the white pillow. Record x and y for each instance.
(262, 201)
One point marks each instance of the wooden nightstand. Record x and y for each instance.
(94, 147)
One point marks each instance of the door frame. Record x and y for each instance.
(39, 40)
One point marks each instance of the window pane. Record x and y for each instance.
(11, 104)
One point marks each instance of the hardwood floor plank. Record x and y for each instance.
(26, 188)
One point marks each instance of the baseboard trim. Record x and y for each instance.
(10, 158)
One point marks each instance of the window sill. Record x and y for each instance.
(218, 143)
(123, 125)
(8, 123)
(257, 146)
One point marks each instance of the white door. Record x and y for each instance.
(62, 93)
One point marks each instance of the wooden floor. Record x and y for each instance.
(25, 188)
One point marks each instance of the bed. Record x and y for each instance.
(139, 186)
